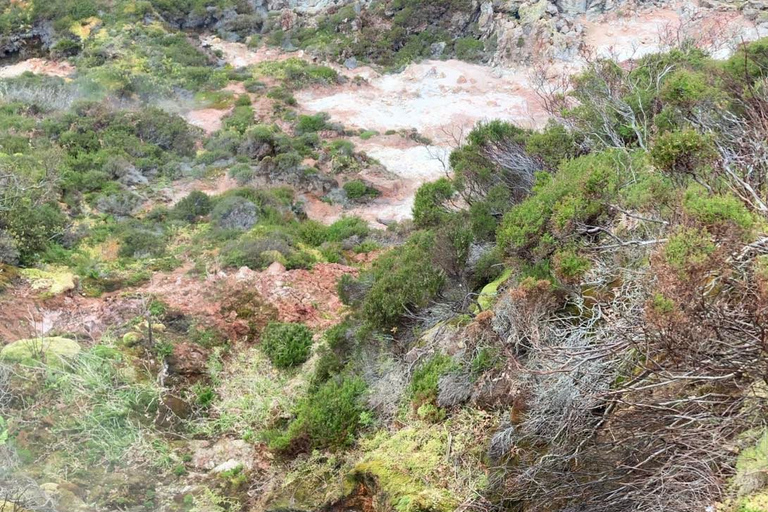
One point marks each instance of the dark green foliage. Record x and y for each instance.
(430, 205)
(403, 278)
(313, 123)
(553, 144)
(140, 243)
(195, 205)
(239, 119)
(329, 417)
(33, 228)
(359, 190)
(749, 63)
(286, 344)
(577, 193)
(467, 48)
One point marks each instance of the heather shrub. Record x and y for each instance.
(286, 344)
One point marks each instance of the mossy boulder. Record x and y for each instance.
(52, 350)
(51, 282)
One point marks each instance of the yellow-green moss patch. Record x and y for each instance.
(488, 294)
(426, 467)
(50, 282)
(52, 350)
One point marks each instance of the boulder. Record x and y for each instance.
(52, 350)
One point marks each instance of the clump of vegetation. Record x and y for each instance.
(286, 344)
(329, 417)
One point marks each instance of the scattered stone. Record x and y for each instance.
(351, 63)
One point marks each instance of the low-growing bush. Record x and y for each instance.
(234, 212)
(329, 417)
(139, 243)
(286, 344)
(359, 190)
(195, 205)
(404, 278)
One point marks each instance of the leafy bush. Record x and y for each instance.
(139, 242)
(286, 344)
(569, 266)
(403, 278)
(195, 205)
(33, 228)
(329, 417)
(239, 119)
(358, 189)
(688, 247)
(345, 228)
(683, 153)
(234, 212)
(467, 48)
(429, 205)
(716, 209)
(313, 123)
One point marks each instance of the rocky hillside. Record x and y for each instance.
(248, 263)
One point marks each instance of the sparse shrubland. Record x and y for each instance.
(573, 320)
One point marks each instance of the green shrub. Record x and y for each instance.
(329, 417)
(404, 278)
(313, 123)
(467, 48)
(33, 228)
(553, 144)
(429, 205)
(195, 205)
(688, 247)
(139, 243)
(425, 378)
(358, 189)
(716, 209)
(683, 152)
(239, 119)
(286, 344)
(569, 266)
(345, 228)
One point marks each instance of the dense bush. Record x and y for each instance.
(33, 229)
(329, 417)
(430, 204)
(403, 278)
(195, 205)
(359, 190)
(286, 344)
(140, 242)
(683, 153)
(234, 212)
